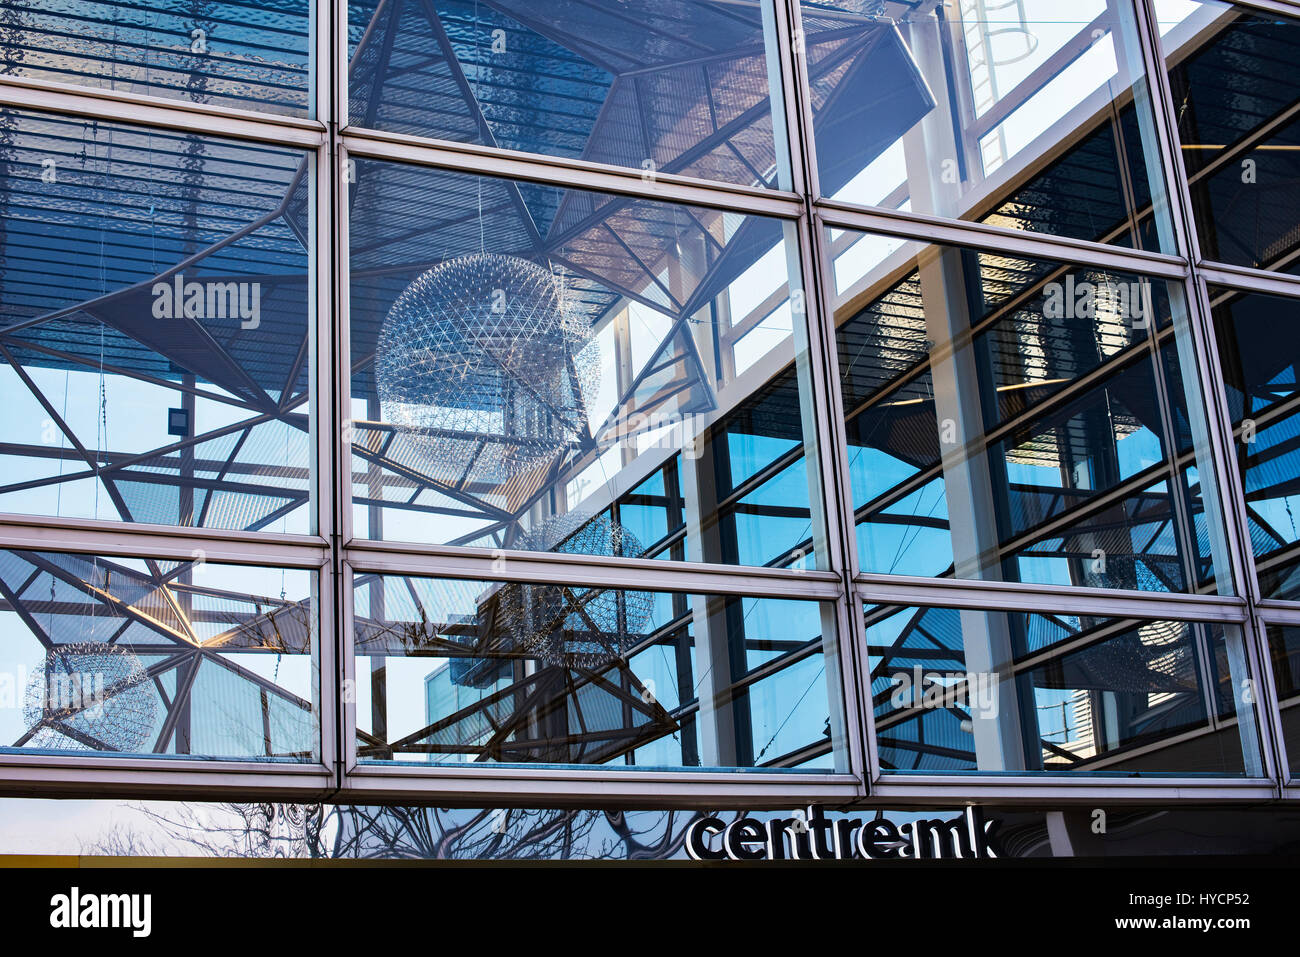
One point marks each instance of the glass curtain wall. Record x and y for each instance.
(852, 393)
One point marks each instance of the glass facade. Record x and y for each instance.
(1026, 420)
(463, 671)
(651, 401)
(161, 657)
(1071, 694)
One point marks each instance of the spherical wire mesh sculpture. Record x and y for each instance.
(90, 696)
(571, 626)
(484, 368)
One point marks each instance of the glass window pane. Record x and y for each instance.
(663, 86)
(234, 53)
(556, 370)
(1023, 420)
(1232, 72)
(1028, 114)
(1284, 649)
(1050, 693)
(159, 657)
(1259, 348)
(155, 331)
(505, 672)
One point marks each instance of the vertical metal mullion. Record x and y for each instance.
(832, 463)
(1269, 701)
(820, 325)
(1208, 373)
(836, 459)
(1209, 378)
(347, 751)
(1170, 146)
(799, 114)
(867, 710)
(338, 447)
(784, 102)
(789, 48)
(320, 258)
(324, 426)
(1232, 487)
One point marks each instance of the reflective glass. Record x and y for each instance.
(557, 370)
(155, 332)
(1259, 349)
(507, 672)
(1052, 693)
(1233, 75)
(158, 657)
(1022, 420)
(663, 86)
(1284, 649)
(1028, 114)
(245, 54)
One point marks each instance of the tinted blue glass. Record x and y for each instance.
(155, 330)
(1030, 115)
(504, 672)
(1021, 420)
(1259, 349)
(235, 53)
(672, 86)
(648, 511)
(558, 370)
(1284, 649)
(149, 656)
(1229, 73)
(1058, 694)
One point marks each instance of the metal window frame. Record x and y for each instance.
(335, 554)
(1241, 609)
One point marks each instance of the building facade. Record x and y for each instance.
(651, 404)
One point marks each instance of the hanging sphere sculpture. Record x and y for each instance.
(90, 696)
(571, 626)
(483, 368)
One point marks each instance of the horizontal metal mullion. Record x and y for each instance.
(1016, 596)
(241, 786)
(934, 229)
(567, 787)
(23, 774)
(518, 786)
(111, 106)
(1250, 280)
(588, 570)
(1284, 7)
(161, 541)
(1274, 612)
(556, 171)
(1054, 791)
